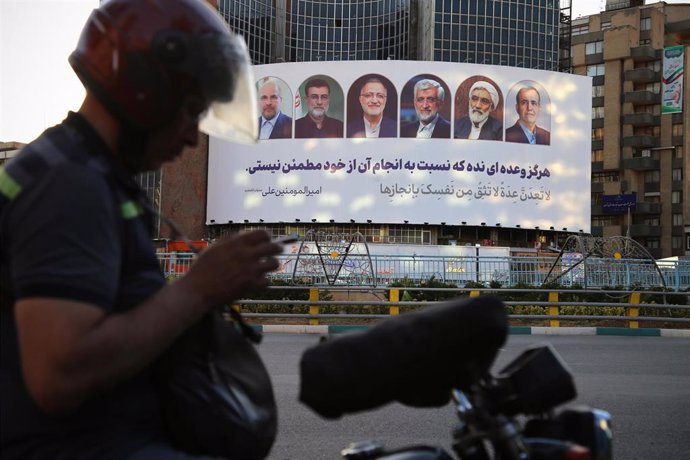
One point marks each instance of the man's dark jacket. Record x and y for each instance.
(305, 128)
(282, 129)
(441, 130)
(516, 134)
(389, 128)
(491, 131)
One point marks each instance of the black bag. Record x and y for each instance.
(217, 396)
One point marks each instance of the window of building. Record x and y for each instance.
(405, 234)
(597, 112)
(677, 242)
(652, 197)
(677, 129)
(654, 65)
(598, 91)
(653, 131)
(597, 155)
(605, 221)
(580, 29)
(606, 25)
(597, 134)
(652, 243)
(679, 151)
(645, 23)
(595, 70)
(607, 176)
(594, 47)
(646, 41)
(654, 109)
(677, 220)
(597, 198)
(676, 197)
(652, 176)
(676, 174)
(653, 87)
(651, 220)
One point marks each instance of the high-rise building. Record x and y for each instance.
(639, 152)
(518, 34)
(634, 147)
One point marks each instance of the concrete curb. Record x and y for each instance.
(296, 329)
(514, 330)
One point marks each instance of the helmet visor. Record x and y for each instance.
(232, 112)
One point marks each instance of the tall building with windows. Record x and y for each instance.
(639, 154)
(516, 34)
(519, 34)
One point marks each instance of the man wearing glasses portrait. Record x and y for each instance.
(372, 122)
(316, 124)
(428, 100)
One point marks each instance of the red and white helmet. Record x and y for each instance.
(141, 58)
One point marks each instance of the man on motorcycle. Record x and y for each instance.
(84, 309)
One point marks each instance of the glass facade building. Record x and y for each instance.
(256, 21)
(519, 33)
(343, 30)
(321, 30)
(516, 33)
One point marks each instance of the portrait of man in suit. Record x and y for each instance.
(428, 99)
(316, 123)
(371, 121)
(273, 123)
(483, 100)
(528, 106)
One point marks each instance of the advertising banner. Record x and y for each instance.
(618, 204)
(410, 142)
(672, 80)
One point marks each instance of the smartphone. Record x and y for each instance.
(287, 239)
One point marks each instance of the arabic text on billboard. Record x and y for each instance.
(381, 141)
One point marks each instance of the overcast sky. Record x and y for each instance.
(37, 85)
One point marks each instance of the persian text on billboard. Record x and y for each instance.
(456, 143)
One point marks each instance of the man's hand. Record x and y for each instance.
(232, 267)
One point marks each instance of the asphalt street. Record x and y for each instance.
(644, 382)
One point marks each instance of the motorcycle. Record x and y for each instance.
(445, 353)
(489, 426)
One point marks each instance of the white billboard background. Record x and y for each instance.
(393, 180)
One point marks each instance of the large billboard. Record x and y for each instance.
(410, 142)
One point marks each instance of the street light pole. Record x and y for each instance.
(476, 270)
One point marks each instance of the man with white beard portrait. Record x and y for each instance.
(479, 124)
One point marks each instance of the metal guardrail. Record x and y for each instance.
(506, 271)
(553, 305)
